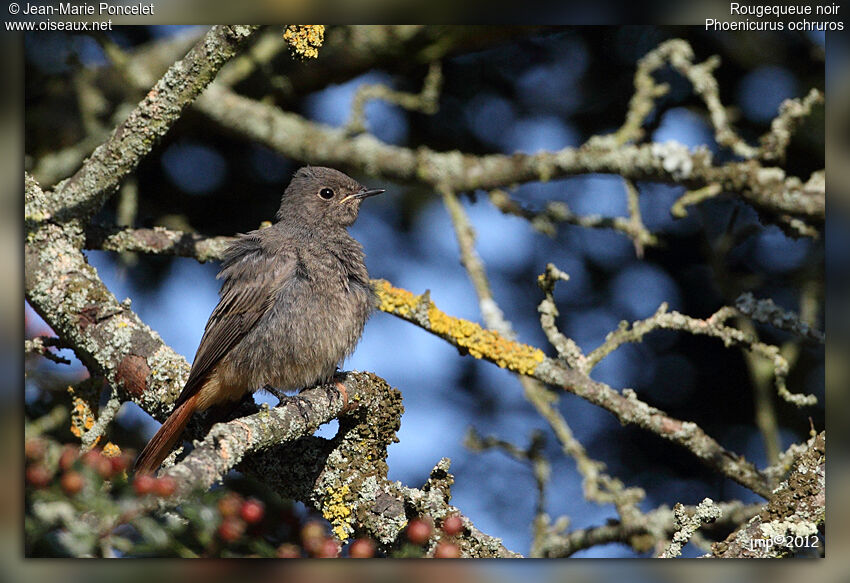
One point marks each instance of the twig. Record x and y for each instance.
(555, 212)
(687, 525)
(156, 241)
(766, 312)
(792, 112)
(490, 311)
(641, 235)
(105, 416)
(679, 54)
(566, 347)
(426, 101)
(692, 197)
(712, 326)
(40, 344)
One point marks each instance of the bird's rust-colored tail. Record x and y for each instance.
(161, 444)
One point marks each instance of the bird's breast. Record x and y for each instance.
(315, 322)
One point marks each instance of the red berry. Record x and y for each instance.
(288, 551)
(362, 548)
(229, 505)
(34, 449)
(144, 484)
(68, 456)
(329, 549)
(252, 511)
(37, 476)
(98, 462)
(313, 536)
(91, 458)
(453, 525)
(419, 531)
(72, 482)
(119, 463)
(164, 486)
(446, 550)
(231, 529)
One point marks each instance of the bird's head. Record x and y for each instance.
(324, 197)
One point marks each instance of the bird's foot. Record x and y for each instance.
(301, 403)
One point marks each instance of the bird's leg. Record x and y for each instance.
(338, 377)
(299, 402)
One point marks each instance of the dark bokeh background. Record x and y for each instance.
(548, 90)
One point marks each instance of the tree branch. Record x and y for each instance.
(489, 345)
(156, 241)
(291, 135)
(85, 192)
(642, 535)
(794, 512)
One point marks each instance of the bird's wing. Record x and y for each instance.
(252, 278)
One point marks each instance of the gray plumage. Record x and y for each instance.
(294, 299)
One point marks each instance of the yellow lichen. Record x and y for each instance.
(479, 342)
(305, 39)
(338, 513)
(82, 418)
(111, 450)
(487, 344)
(395, 300)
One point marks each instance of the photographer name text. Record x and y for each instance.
(101, 9)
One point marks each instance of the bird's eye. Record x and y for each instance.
(326, 193)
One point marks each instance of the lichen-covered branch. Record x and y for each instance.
(41, 345)
(687, 524)
(521, 358)
(227, 444)
(792, 112)
(598, 486)
(767, 188)
(680, 55)
(643, 534)
(567, 349)
(795, 511)
(714, 326)
(156, 241)
(767, 312)
(84, 193)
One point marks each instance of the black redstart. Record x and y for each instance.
(294, 301)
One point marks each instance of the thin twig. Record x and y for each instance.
(713, 326)
(426, 101)
(687, 524)
(40, 345)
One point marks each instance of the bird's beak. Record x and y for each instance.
(363, 194)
